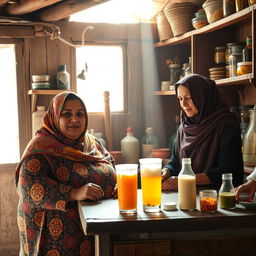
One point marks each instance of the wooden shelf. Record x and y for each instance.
(165, 92)
(35, 93)
(243, 79)
(224, 22)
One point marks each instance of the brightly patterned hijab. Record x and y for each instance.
(49, 140)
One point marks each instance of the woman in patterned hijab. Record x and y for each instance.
(209, 134)
(61, 165)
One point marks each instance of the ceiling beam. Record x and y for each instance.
(2, 2)
(27, 6)
(67, 8)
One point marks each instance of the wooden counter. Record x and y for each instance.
(175, 232)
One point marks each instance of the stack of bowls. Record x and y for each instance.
(200, 19)
(217, 73)
(179, 16)
(40, 82)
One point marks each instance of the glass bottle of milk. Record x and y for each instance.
(187, 186)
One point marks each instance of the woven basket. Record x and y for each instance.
(163, 27)
(179, 16)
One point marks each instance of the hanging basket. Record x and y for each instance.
(163, 27)
(179, 16)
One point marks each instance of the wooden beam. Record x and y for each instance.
(2, 2)
(16, 31)
(65, 9)
(27, 6)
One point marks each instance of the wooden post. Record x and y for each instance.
(107, 121)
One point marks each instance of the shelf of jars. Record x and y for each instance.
(172, 92)
(240, 16)
(35, 93)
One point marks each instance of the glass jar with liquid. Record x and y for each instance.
(227, 196)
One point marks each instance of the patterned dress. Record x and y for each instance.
(49, 224)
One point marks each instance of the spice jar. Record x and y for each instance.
(219, 55)
(208, 200)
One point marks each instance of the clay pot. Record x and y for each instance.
(161, 153)
(117, 155)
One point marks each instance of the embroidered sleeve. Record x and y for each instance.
(38, 189)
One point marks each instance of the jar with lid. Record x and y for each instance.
(219, 55)
(229, 7)
(249, 142)
(227, 195)
(234, 58)
(187, 186)
(208, 200)
(175, 71)
(236, 48)
(63, 80)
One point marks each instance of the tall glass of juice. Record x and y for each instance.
(127, 187)
(151, 183)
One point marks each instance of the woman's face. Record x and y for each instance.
(186, 103)
(72, 119)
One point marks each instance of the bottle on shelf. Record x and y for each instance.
(249, 142)
(130, 148)
(247, 51)
(149, 142)
(37, 118)
(188, 70)
(227, 194)
(187, 186)
(62, 77)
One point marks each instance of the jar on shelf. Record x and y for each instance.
(188, 70)
(175, 71)
(233, 60)
(219, 55)
(229, 7)
(249, 142)
(241, 4)
(184, 67)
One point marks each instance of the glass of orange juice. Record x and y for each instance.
(127, 187)
(151, 183)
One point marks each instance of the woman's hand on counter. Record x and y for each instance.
(89, 191)
(170, 184)
(248, 187)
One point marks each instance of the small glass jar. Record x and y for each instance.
(208, 200)
(219, 55)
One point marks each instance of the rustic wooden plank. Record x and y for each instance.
(65, 9)
(12, 31)
(27, 6)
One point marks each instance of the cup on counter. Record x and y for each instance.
(151, 183)
(127, 187)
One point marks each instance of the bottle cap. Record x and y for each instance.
(169, 206)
